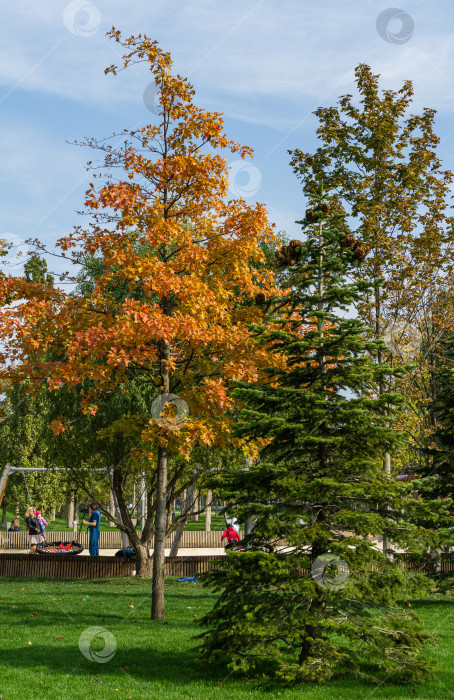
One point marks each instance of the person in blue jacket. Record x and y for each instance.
(93, 527)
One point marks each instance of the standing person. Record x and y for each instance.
(93, 527)
(42, 522)
(34, 529)
(14, 527)
(231, 535)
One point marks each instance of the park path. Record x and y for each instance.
(182, 552)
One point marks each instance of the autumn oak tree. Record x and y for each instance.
(161, 224)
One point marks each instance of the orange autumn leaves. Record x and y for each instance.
(178, 266)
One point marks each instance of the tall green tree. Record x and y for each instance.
(319, 486)
(381, 161)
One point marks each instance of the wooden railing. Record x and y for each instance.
(77, 567)
(112, 540)
(80, 567)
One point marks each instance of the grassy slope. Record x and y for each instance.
(59, 524)
(152, 660)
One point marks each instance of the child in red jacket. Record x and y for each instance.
(231, 535)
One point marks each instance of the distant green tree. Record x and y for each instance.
(36, 271)
(25, 438)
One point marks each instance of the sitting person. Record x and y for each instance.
(14, 527)
(231, 535)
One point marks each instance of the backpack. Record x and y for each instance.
(128, 553)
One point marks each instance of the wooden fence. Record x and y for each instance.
(77, 567)
(112, 540)
(80, 567)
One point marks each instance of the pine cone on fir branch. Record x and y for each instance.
(294, 243)
(360, 252)
(279, 255)
(310, 216)
(323, 207)
(347, 241)
(260, 299)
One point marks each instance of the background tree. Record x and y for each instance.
(26, 438)
(319, 486)
(381, 162)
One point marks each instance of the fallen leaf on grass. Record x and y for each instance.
(125, 668)
(29, 643)
(34, 613)
(14, 606)
(60, 636)
(130, 605)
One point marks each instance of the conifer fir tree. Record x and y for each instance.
(324, 605)
(436, 473)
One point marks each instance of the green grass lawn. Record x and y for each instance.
(59, 524)
(152, 659)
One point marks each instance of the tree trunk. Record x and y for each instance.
(157, 596)
(143, 561)
(53, 514)
(111, 508)
(208, 511)
(185, 511)
(4, 512)
(70, 516)
(76, 510)
(195, 507)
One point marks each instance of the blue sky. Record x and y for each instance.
(266, 64)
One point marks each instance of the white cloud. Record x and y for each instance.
(258, 59)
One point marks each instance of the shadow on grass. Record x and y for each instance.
(181, 669)
(430, 602)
